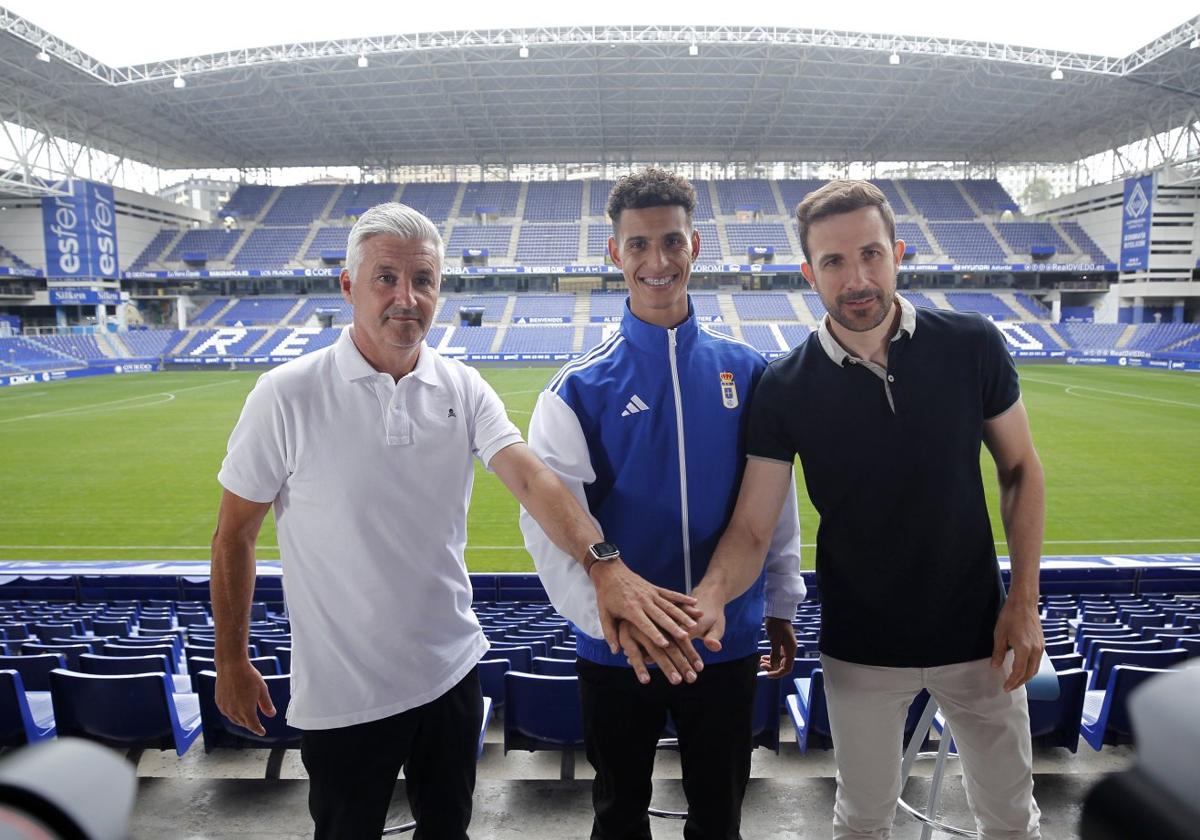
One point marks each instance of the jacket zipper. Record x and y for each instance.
(683, 495)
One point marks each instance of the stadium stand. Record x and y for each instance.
(258, 311)
(984, 303)
(150, 343)
(754, 195)
(706, 306)
(493, 307)
(763, 307)
(554, 201)
(498, 198)
(793, 334)
(597, 239)
(919, 299)
(938, 200)
(300, 205)
(743, 236)
(559, 308)
(247, 202)
(1035, 307)
(360, 197)
(26, 355)
(968, 242)
(598, 197)
(229, 341)
(327, 239)
(762, 338)
(1090, 336)
(1084, 242)
(80, 347)
(493, 237)
(270, 248)
(537, 340)
(9, 256)
(556, 243)
(899, 206)
(607, 306)
(310, 307)
(434, 200)
(815, 305)
(214, 243)
(1022, 237)
(793, 192)
(473, 340)
(153, 250)
(704, 207)
(287, 342)
(914, 239)
(989, 196)
(1153, 337)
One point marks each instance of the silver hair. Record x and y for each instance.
(393, 219)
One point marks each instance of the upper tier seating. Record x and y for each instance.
(360, 197)
(554, 201)
(497, 197)
(984, 303)
(299, 205)
(937, 200)
(750, 193)
(247, 202)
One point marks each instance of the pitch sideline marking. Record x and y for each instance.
(117, 404)
(1070, 389)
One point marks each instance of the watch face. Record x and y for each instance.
(604, 550)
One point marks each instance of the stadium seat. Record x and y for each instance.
(220, 732)
(520, 657)
(25, 716)
(134, 712)
(1106, 714)
(165, 650)
(34, 669)
(491, 680)
(1108, 658)
(71, 652)
(553, 667)
(543, 713)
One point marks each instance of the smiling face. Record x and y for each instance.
(655, 247)
(853, 267)
(394, 293)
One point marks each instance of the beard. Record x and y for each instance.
(862, 320)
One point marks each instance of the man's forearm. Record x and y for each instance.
(559, 514)
(736, 563)
(1023, 510)
(232, 591)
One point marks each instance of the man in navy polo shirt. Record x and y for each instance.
(887, 406)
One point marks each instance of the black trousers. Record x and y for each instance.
(622, 722)
(352, 770)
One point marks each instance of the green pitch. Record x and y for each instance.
(124, 468)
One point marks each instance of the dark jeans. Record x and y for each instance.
(622, 722)
(352, 770)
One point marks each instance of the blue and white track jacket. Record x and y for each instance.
(647, 430)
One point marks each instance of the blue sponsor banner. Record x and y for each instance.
(1158, 361)
(79, 229)
(84, 297)
(99, 369)
(6, 271)
(1136, 212)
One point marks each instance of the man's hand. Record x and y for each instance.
(710, 626)
(783, 648)
(241, 694)
(621, 594)
(1018, 627)
(678, 661)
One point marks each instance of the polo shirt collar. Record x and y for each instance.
(653, 338)
(838, 354)
(353, 366)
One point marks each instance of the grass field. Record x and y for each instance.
(124, 468)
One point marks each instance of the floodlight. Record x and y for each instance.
(362, 60)
(523, 52)
(179, 82)
(1056, 74)
(894, 58)
(693, 49)
(42, 55)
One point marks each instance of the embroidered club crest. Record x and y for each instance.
(729, 396)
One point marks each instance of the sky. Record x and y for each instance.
(124, 32)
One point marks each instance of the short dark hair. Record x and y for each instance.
(650, 187)
(836, 198)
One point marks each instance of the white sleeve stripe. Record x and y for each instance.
(600, 352)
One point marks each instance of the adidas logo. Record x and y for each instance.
(634, 405)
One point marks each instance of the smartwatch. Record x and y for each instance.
(602, 552)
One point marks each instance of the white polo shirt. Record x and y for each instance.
(370, 481)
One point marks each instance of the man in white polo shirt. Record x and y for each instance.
(365, 451)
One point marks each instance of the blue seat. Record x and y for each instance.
(519, 658)
(167, 650)
(1055, 723)
(25, 717)
(45, 631)
(1191, 645)
(34, 669)
(553, 667)
(543, 713)
(1109, 658)
(491, 679)
(1106, 713)
(1059, 648)
(71, 652)
(1067, 660)
(809, 713)
(134, 712)
(1091, 650)
(220, 732)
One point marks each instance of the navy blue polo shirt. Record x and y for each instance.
(906, 562)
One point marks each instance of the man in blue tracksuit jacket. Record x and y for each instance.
(647, 430)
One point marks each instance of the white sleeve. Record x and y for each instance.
(491, 430)
(785, 587)
(556, 437)
(256, 461)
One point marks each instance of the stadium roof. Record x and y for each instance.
(600, 94)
